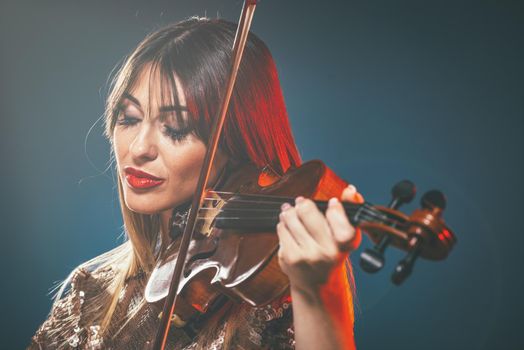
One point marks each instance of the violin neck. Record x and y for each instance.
(262, 215)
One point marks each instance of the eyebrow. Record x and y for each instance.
(170, 108)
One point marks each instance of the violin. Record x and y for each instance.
(234, 248)
(229, 245)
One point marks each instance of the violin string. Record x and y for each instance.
(245, 194)
(275, 199)
(365, 209)
(247, 201)
(370, 214)
(254, 217)
(243, 210)
(275, 218)
(279, 200)
(366, 215)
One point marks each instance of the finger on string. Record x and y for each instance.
(350, 194)
(341, 228)
(293, 224)
(314, 221)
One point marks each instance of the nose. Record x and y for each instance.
(144, 146)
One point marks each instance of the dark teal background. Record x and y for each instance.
(379, 90)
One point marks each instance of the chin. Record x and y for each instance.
(142, 210)
(143, 207)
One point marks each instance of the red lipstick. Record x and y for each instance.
(140, 179)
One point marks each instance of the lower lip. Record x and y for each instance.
(142, 182)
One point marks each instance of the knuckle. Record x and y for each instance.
(345, 242)
(284, 257)
(327, 257)
(310, 261)
(316, 258)
(281, 255)
(345, 236)
(331, 254)
(347, 231)
(344, 226)
(293, 260)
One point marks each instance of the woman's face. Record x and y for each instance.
(158, 160)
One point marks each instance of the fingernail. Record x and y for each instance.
(299, 199)
(285, 206)
(333, 201)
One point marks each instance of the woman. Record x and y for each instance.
(158, 117)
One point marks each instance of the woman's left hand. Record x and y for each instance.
(313, 245)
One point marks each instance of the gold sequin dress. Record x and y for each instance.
(67, 327)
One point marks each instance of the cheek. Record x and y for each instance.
(186, 167)
(120, 145)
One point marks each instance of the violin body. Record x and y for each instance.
(242, 262)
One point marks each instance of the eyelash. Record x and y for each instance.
(174, 134)
(126, 121)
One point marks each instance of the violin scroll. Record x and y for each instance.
(372, 259)
(422, 234)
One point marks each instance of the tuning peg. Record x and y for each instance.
(433, 199)
(403, 192)
(372, 260)
(405, 266)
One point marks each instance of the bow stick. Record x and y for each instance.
(241, 35)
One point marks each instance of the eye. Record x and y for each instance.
(176, 134)
(127, 120)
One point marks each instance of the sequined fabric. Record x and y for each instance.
(268, 327)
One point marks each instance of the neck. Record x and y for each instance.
(165, 218)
